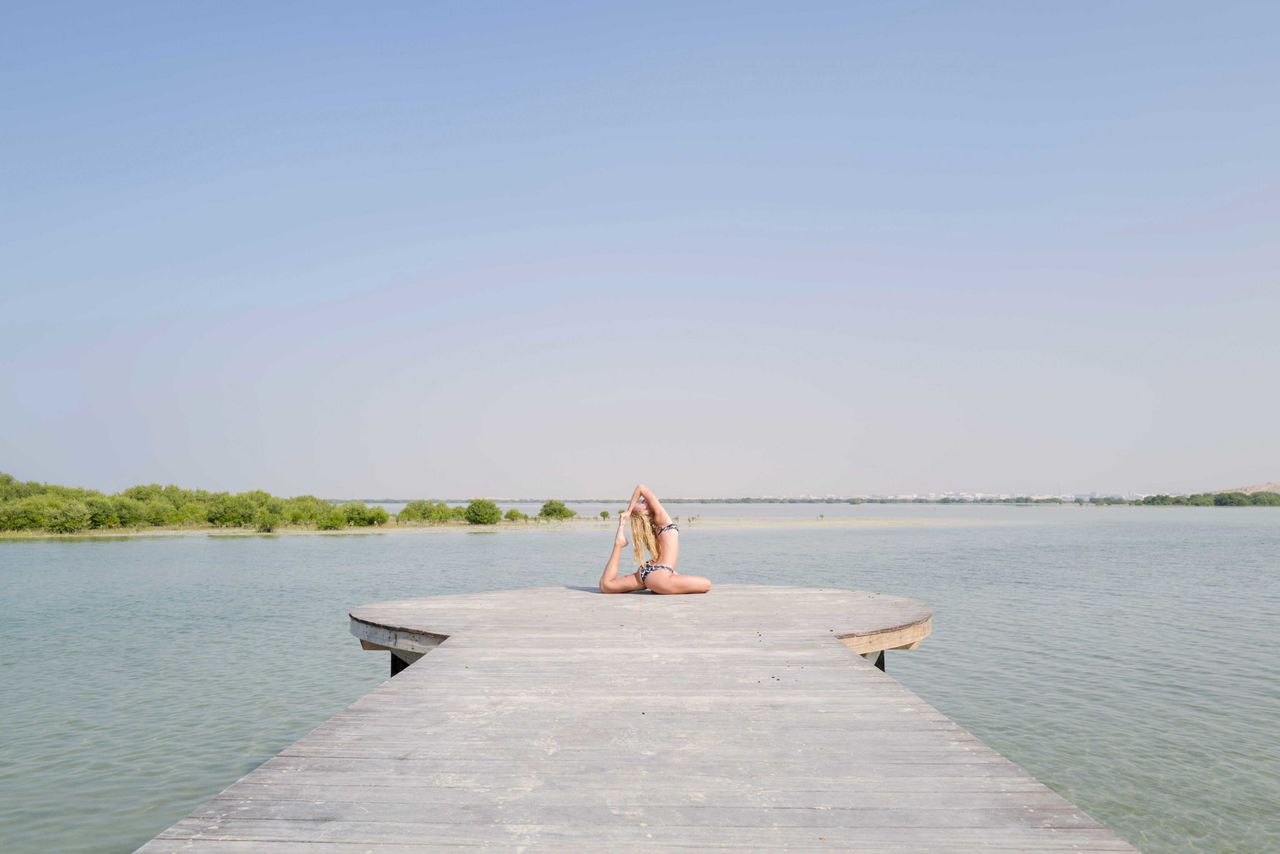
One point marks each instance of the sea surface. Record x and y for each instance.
(1125, 656)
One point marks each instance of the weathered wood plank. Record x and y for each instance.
(1009, 794)
(578, 837)
(563, 719)
(621, 813)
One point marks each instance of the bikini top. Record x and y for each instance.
(649, 566)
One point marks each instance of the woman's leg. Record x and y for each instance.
(669, 583)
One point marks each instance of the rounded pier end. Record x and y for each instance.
(867, 623)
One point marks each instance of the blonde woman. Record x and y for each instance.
(652, 530)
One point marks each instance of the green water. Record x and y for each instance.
(1124, 656)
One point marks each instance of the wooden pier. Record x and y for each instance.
(563, 719)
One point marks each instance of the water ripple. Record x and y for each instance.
(1123, 656)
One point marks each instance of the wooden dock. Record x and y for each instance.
(563, 719)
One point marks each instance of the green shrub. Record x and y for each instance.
(25, 514)
(482, 511)
(556, 510)
(67, 517)
(266, 521)
(9, 515)
(129, 511)
(232, 511)
(360, 515)
(333, 520)
(177, 496)
(304, 509)
(430, 511)
(144, 493)
(256, 496)
(54, 511)
(102, 512)
(514, 515)
(12, 490)
(192, 513)
(355, 513)
(414, 511)
(157, 511)
(604, 514)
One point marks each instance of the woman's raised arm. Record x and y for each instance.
(660, 515)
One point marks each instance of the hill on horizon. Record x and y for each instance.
(1257, 487)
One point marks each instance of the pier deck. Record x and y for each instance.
(565, 719)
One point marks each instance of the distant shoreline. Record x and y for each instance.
(532, 525)
(579, 523)
(34, 510)
(1231, 498)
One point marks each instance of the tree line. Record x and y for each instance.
(480, 511)
(1214, 499)
(33, 506)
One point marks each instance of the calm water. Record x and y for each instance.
(1124, 656)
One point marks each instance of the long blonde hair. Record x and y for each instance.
(643, 534)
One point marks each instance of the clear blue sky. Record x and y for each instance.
(550, 249)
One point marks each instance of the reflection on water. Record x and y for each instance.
(1121, 655)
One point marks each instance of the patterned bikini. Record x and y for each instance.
(649, 566)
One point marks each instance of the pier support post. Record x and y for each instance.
(400, 659)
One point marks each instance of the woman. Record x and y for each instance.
(652, 528)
